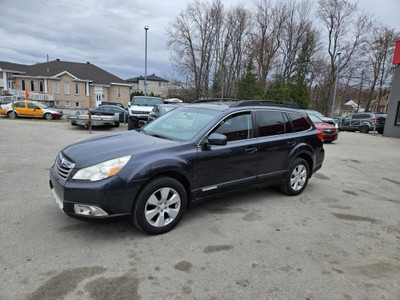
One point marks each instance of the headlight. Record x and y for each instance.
(103, 170)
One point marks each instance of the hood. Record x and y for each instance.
(51, 109)
(101, 148)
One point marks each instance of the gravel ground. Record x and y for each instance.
(339, 239)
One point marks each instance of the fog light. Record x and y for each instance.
(89, 210)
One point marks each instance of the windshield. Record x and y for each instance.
(180, 124)
(40, 104)
(165, 109)
(315, 119)
(317, 113)
(146, 101)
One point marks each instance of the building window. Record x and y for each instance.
(160, 84)
(76, 88)
(66, 103)
(32, 86)
(41, 85)
(56, 87)
(118, 92)
(57, 103)
(66, 88)
(76, 104)
(397, 121)
(134, 85)
(23, 85)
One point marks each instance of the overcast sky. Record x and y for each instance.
(110, 34)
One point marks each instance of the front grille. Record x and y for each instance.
(329, 131)
(63, 166)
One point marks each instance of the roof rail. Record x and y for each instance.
(214, 100)
(266, 102)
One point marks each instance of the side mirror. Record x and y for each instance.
(129, 104)
(217, 139)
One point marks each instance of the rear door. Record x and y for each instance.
(346, 123)
(20, 108)
(276, 139)
(234, 165)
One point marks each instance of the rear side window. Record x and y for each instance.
(19, 104)
(236, 127)
(270, 123)
(299, 122)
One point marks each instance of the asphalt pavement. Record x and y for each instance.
(339, 239)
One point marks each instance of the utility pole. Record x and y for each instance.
(146, 28)
(360, 91)
(334, 91)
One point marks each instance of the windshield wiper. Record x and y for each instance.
(159, 136)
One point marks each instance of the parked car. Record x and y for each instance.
(33, 109)
(110, 110)
(139, 109)
(329, 131)
(112, 103)
(160, 109)
(199, 151)
(321, 116)
(364, 122)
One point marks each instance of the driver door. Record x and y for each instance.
(229, 167)
(34, 110)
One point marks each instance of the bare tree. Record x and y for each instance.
(266, 37)
(346, 32)
(192, 36)
(379, 51)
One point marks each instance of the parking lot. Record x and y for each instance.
(339, 239)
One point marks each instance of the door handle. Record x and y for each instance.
(251, 150)
(292, 143)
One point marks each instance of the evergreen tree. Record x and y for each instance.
(248, 86)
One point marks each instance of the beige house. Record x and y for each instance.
(64, 84)
(156, 85)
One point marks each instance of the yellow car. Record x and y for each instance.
(33, 109)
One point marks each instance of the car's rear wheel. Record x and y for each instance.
(297, 178)
(364, 129)
(48, 116)
(12, 115)
(116, 124)
(159, 206)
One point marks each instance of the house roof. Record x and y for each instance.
(16, 68)
(152, 77)
(84, 71)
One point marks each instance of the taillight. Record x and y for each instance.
(320, 136)
(373, 120)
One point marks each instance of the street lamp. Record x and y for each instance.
(334, 91)
(146, 28)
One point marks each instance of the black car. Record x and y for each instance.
(110, 110)
(364, 122)
(194, 152)
(119, 104)
(160, 109)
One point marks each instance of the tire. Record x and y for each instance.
(159, 206)
(48, 116)
(132, 124)
(364, 129)
(116, 124)
(380, 130)
(297, 178)
(12, 115)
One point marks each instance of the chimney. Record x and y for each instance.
(88, 62)
(57, 59)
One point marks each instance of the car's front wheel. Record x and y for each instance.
(364, 129)
(12, 115)
(159, 206)
(297, 178)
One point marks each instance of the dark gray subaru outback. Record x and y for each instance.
(194, 152)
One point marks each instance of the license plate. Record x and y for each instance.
(57, 199)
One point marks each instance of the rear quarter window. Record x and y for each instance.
(299, 122)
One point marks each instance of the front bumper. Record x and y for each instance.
(112, 195)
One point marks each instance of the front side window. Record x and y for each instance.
(270, 123)
(32, 85)
(66, 88)
(33, 106)
(299, 122)
(236, 127)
